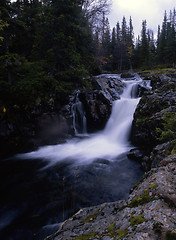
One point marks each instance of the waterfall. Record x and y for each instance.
(108, 144)
(79, 118)
(119, 124)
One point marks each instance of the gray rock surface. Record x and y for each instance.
(150, 110)
(149, 213)
(98, 102)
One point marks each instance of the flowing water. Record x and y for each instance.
(46, 186)
(79, 117)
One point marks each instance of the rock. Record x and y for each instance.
(44, 124)
(97, 108)
(149, 213)
(51, 122)
(150, 110)
(98, 103)
(129, 74)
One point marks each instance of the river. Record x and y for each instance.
(40, 189)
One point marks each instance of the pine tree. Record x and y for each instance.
(162, 41)
(144, 45)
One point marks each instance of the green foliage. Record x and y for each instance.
(2, 26)
(168, 132)
(46, 52)
(135, 220)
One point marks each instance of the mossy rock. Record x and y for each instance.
(153, 186)
(122, 233)
(86, 236)
(143, 199)
(135, 220)
(92, 216)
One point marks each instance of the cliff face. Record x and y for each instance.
(150, 211)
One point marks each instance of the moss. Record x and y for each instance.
(153, 186)
(111, 227)
(173, 151)
(91, 217)
(137, 184)
(111, 230)
(142, 119)
(134, 228)
(167, 133)
(157, 227)
(140, 200)
(133, 212)
(170, 235)
(86, 236)
(122, 233)
(135, 220)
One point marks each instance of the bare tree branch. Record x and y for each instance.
(94, 10)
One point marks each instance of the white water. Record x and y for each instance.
(79, 118)
(108, 144)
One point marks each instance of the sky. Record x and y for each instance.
(150, 10)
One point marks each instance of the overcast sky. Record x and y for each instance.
(151, 10)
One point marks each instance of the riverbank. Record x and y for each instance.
(150, 211)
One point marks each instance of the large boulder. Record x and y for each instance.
(150, 110)
(97, 108)
(98, 102)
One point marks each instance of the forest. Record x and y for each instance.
(49, 47)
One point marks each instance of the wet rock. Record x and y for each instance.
(98, 103)
(129, 74)
(97, 108)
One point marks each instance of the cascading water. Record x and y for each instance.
(108, 144)
(79, 118)
(58, 180)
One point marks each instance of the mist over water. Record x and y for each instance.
(47, 186)
(108, 144)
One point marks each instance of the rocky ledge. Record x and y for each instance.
(149, 212)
